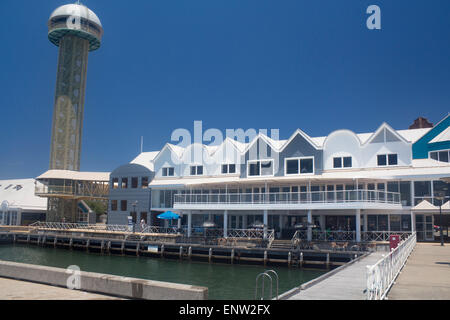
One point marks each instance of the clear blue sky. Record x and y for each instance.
(231, 63)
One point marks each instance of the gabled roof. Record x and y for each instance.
(305, 136)
(269, 141)
(146, 159)
(384, 126)
(443, 136)
(425, 206)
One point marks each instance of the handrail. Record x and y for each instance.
(381, 275)
(370, 196)
(78, 226)
(366, 236)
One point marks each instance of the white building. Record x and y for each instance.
(356, 184)
(19, 204)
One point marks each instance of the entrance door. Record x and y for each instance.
(429, 232)
(424, 227)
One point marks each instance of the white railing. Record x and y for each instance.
(155, 229)
(383, 235)
(366, 236)
(78, 226)
(290, 197)
(381, 276)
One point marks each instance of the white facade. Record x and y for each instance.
(19, 204)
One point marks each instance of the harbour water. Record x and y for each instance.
(225, 282)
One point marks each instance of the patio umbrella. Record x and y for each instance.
(168, 215)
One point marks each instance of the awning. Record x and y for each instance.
(75, 175)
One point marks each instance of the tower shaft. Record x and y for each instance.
(69, 103)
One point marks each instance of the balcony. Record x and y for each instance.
(332, 200)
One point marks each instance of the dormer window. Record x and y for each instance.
(196, 170)
(168, 172)
(387, 159)
(228, 168)
(441, 156)
(342, 162)
(260, 168)
(295, 166)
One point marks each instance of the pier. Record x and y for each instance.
(426, 275)
(346, 283)
(173, 246)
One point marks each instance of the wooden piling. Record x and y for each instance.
(162, 250)
(210, 255)
(232, 256)
(55, 241)
(289, 258)
(190, 253)
(328, 260)
(265, 257)
(88, 242)
(301, 259)
(181, 253)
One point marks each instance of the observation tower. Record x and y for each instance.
(76, 30)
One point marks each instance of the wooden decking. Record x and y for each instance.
(348, 283)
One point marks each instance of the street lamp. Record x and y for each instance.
(441, 196)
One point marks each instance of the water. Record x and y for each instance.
(225, 282)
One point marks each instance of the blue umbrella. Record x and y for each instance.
(168, 215)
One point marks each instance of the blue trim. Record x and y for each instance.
(422, 147)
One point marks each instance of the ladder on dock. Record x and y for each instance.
(262, 276)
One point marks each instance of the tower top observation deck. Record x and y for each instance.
(75, 19)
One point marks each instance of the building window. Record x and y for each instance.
(144, 182)
(124, 183)
(168, 172)
(123, 205)
(196, 170)
(260, 168)
(342, 162)
(442, 156)
(115, 183)
(113, 205)
(228, 168)
(299, 166)
(387, 159)
(134, 182)
(337, 162)
(392, 159)
(292, 166)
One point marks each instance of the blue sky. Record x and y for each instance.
(231, 63)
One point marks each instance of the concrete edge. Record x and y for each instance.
(110, 285)
(315, 281)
